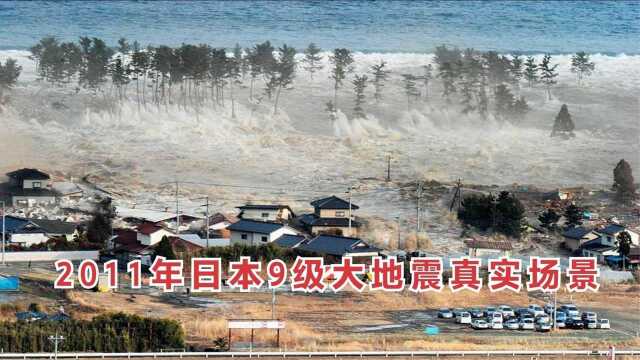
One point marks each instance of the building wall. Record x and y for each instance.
(25, 256)
(612, 240)
(32, 200)
(271, 215)
(345, 230)
(154, 238)
(332, 213)
(27, 240)
(29, 184)
(255, 239)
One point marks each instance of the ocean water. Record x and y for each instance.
(608, 27)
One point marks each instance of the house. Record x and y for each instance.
(252, 232)
(609, 234)
(331, 215)
(488, 248)
(274, 213)
(150, 234)
(27, 232)
(218, 224)
(575, 237)
(336, 247)
(195, 239)
(182, 248)
(126, 248)
(596, 248)
(289, 241)
(29, 187)
(161, 218)
(68, 190)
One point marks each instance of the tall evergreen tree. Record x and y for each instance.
(100, 229)
(624, 246)
(342, 60)
(426, 78)
(504, 102)
(519, 109)
(9, 74)
(573, 216)
(549, 219)
(410, 89)
(548, 74)
(623, 183)
(285, 68)
(164, 249)
(312, 59)
(379, 76)
(582, 65)
(359, 85)
(563, 124)
(531, 71)
(516, 70)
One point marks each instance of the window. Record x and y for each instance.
(243, 236)
(265, 215)
(339, 213)
(264, 239)
(36, 184)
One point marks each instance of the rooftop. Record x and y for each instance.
(596, 246)
(489, 244)
(260, 227)
(29, 174)
(333, 202)
(289, 241)
(313, 220)
(577, 232)
(148, 228)
(263, 206)
(612, 229)
(337, 245)
(55, 226)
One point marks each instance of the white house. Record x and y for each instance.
(275, 213)
(29, 187)
(253, 233)
(609, 235)
(151, 234)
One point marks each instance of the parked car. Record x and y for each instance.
(543, 326)
(512, 324)
(535, 310)
(574, 322)
(496, 325)
(521, 311)
(445, 313)
(479, 324)
(546, 318)
(507, 311)
(588, 315)
(464, 318)
(570, 310)
(549, 308)
(496, 316)
(527, 324)
(590, 324)
(457, 311)
(527, 315)
(604, 324)
(476, 313)
(560, 319)
(489, 310)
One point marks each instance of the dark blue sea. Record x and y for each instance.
(609, 27)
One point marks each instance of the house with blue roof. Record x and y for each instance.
(331, 215)
(577, 236)
(609, 234)
(254, 232)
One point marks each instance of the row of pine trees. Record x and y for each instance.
(192, 75)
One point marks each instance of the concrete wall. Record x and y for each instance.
(331, 213)
(25, 256)
(272, 215)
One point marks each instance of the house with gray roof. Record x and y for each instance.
(339, 246)
(575, 237)
(609, 234)
(28, 187)
(254, 233)
(331, 215)
(266, 212)
(290, 241)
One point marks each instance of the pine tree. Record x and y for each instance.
(624, 246)
(312, 59)
(582, 66)
(531, 71)
(548, 73)
(9, 74)
(342, 59)
(519, 109)
(623, 183)
(410, 88)
(448, 74)
(549, 219)
(504, 102)
(426, 78)
(563, 125)
(100, 227)
(379, 75)
(516, 71)
(165, 249)
(285, 68)
(359, 85)
(573, 216)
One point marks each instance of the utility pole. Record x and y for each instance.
(349, 192)
(177, 210)
(4, 231)
(55, 340)
(418, 210)
(207, 219)
(388, 168)
(398, 219)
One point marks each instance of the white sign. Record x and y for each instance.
(256, 324)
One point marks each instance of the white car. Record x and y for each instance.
(545, 318)
(495, 317)
(543, 326)
(479, 324)
(496, 325)
(527, 324)
(464, 318)
(507, 311)
(512, 324)
(549, 309)
(570, 309)
(535, 310)
(604, 324)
